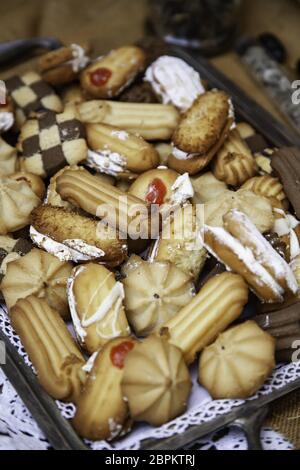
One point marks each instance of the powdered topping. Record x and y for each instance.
(90, 362)
(182, 189)
(105, 161)
(80, 60)
(80, 332)
(244, 254)
(181, 155)
(174, 81)
(114, 298)
(70, 250)
(6, 121)
(286, 226)
(264, 252)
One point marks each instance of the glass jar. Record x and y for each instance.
(207, 25)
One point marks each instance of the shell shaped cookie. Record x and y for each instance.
(156, 381)
(154, 292)
(17, 200)
(96, 305)
(41, 274)
(267, 186)
(238, 362)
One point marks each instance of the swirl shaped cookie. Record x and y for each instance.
(50, 347)
(37, 273)
(156, 381)
(154, 293)
(238, 362)
(96, 306)
(234, 163)
(101, 411)
(219, 302)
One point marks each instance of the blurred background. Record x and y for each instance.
(206, 24)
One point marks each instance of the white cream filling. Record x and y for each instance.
(113, 300)
(182, 189)
(80, 59)
(90, 362)
(174, 81)
(181, 155)
(69, 250)
(286, 226)
(105, 161)
(6, 121)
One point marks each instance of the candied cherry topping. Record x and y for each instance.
(100, 76)
(156, 192)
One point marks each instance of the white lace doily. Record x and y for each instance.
(19, 430)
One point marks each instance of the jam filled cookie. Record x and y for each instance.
(201, 132)
(116, 152)
(174, 82)
(73, 237)
(154, 293)
(17, 200)
(163, 186)
(108, 76)
(238, 362)
(50, 347)
(101, 411)
(40, 274)
(150, 121)
(8, 159)
(52, 141)
(63, 65)
(219, 302)
(156, 381)
(234, 163)
(31, 94)
(96, 306)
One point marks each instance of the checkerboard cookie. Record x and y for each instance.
(31, 94)
(52, 141)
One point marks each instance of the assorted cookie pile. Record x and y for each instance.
(111, 318)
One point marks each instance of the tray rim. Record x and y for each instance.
(43, 408)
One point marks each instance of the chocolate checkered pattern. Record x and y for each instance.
(31, 94)
(51, 139)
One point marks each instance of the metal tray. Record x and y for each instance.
(248, 416)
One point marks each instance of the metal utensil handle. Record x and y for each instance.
(251, 423)
(12, 50)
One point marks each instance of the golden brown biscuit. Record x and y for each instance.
(207, 187)
(193, 163)
(72, 236)
(35, 182)
(150, 121)
(96, 306)
(10, 250)
(156, 381)
(101, 412)
(17, 200)
(115, 151)
(108, 76)
(267, 186)
(234, 163)
(37, 273)
(50, 347)
(211, 311)
(180, 243)
(201, 126)
(238, 362)
(154, 293)
(257, 208)
(8, 159)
